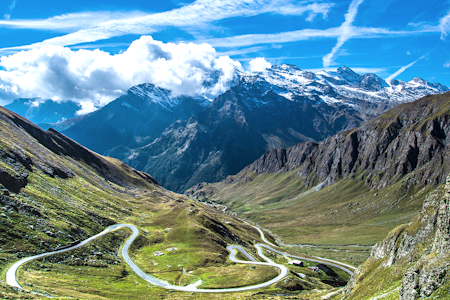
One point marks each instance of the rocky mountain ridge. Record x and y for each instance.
(356, 185)
(411, 138)
(415, 254)
(275, 108)
(346, 86)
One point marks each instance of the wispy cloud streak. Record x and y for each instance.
(70, 22)
(7, 15)
(444, 25)
(402, 69)
(309, 34)
(346, 31)
(197, 13)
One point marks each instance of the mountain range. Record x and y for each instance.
(183, 140)
(355, 186)
(348, 182)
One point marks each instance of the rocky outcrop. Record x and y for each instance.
(420, 251)
(412, 138)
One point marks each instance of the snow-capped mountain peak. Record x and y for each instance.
(343, 86)
(157, 95)
(348, 75)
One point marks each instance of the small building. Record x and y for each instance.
(295, 262)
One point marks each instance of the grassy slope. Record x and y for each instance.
(343, 214)
(52, 211)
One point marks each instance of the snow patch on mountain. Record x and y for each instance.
(161, 96)
(126, 104)
(341, 86)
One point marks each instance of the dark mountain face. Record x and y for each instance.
(44, 111)
(132, 120)
(236, 129)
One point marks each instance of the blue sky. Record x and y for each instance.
(94, 50)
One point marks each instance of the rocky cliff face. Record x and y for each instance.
(412, 138)
(416, 254)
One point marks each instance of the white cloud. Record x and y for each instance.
(198, 13)
(7, 15)
(70, 22)
(310, 34)
(243, 51)
(259, 64)
(94, 77)
(402, 69)
(447, 64)
(444, 25)
(279, 38)
(346, 32)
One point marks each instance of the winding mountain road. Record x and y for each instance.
(11, 274)
(344, 267)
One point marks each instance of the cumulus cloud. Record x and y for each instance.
(447, 64)
(259, 64)
(402, 69)
(444, 25)
(347, 32)
(94, 77)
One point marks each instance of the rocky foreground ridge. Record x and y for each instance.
(411, 138)
(415, 256)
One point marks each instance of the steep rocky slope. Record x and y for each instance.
(415, 255)
(351, 188)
